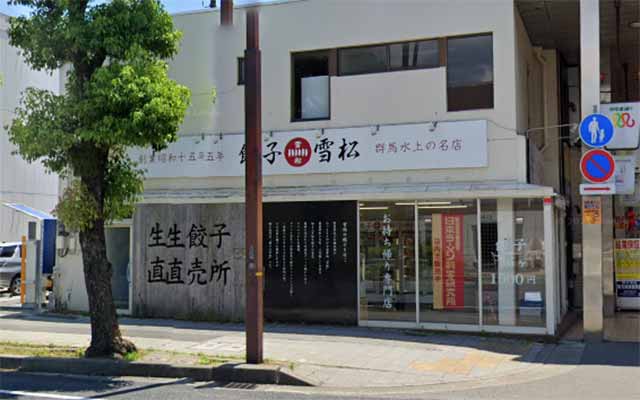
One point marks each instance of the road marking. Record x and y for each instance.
(45, 395)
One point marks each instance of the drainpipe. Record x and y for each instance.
(226, 13)
(543, 64)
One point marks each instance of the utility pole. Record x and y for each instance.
(253, 190)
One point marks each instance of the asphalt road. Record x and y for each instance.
(614, 375)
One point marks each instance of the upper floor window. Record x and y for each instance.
(470, 72)
(310, 85)
(389, 57)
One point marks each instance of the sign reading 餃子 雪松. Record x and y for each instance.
(448, 261)
(460, 144)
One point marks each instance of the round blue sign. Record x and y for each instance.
(596, 130)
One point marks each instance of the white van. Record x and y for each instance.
(10, 262)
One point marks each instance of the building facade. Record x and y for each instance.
(415, 173)
(20, 182)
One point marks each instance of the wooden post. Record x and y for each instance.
(253, 191)
(226, 13)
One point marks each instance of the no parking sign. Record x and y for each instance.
(597, 166)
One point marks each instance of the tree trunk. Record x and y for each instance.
(106, 339)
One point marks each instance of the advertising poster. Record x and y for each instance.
(436, 245)
(591, 211)
(627, 268)
(448, 261)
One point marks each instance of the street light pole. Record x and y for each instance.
(253, 190)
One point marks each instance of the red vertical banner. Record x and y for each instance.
(437, 248)
(453, 261)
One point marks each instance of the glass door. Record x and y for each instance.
(387, 261)
(448, 254)
(118, 252)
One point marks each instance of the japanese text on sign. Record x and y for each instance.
(460, 144)
(178, 270)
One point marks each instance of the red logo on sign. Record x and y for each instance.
(297, 152)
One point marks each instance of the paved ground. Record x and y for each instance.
(333, 357)
(344, 361)
(607, 371)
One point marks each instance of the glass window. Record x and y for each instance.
(363, 60)
(470, 72)
(513, 275)
(448, 262)
(387, 260)
(310, 85)
(424, 54)
(7, 252)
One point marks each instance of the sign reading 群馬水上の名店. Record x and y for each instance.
(309, 253)
(459, 144)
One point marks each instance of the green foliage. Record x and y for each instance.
(132, 356)
(77, 208)
(118, 95)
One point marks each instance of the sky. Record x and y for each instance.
(173, 6)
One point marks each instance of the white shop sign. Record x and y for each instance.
(460, 144)
(625, 174)
(626, 122)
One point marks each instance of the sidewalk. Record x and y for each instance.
(333, 357)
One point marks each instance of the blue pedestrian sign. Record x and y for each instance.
(596, 130)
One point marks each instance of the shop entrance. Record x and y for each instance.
(624, 324)
(456, 264)
(118, 240)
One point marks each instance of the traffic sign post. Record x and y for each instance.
(597, 166)
(596, 130)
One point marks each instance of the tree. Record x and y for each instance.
(118, 95)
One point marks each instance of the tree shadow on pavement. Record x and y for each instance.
(51, 383)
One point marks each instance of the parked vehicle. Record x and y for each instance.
(10, 262)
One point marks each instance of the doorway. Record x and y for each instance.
(118, 240)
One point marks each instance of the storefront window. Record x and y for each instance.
(513, 272)
(509, 248)
(448, 262)
(387, 261)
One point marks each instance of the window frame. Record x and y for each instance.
(445, 58)
(331, 69)
(387, 46)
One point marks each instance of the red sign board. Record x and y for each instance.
(448, 261)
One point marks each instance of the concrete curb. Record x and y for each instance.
(243, 373)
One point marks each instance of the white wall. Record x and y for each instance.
(537, 106)
(20, 182)
(209, 53)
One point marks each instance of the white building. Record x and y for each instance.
(20, 182)
(419, 168)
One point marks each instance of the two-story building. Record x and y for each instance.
(419, 159)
